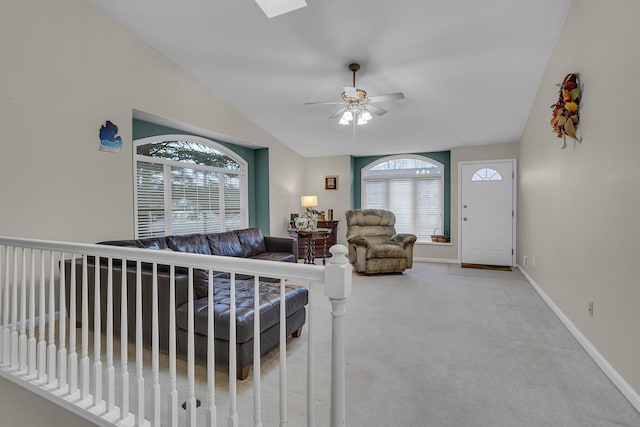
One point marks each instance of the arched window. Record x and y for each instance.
(187, 184)
(410, 186)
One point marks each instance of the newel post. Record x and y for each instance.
(338, 289)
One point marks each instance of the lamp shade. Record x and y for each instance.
(309, 201)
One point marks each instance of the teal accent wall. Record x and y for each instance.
(444, 157)
(355, 192)
(257, 170)
(262, 189)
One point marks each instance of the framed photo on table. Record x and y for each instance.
(330, 182)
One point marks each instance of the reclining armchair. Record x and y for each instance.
(374, 246)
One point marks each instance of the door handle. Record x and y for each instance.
(464, 219)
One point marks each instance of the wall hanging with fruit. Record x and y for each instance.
(566, 112)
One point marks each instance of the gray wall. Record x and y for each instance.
(66, 69)
(578, 207)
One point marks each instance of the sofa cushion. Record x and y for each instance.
(190, 243)
(296, 297)
(157, 243)
(149, 243)
(276, 256)
(252, 242)
(225, 244)
(386, 251)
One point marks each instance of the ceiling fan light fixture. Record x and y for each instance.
(273, 8)
(347, 116)
(362, 121)
(366, 115)
(343, 121)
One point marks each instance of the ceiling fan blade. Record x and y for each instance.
(324, 103)
(376, 110)
(338, 113)
(387, 97)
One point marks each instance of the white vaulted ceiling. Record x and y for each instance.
(469, 68)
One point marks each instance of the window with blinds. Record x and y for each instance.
(187, 184)
(409, 186)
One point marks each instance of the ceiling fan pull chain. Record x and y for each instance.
(354, 131)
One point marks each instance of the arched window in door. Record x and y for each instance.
(486, 174)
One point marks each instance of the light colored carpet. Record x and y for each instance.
(436, 346)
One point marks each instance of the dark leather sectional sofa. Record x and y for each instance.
(248, 243)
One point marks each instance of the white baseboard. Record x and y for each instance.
(443, 260)
(597, 357)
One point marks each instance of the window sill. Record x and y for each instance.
(426, 242)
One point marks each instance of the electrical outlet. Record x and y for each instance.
(533, 261)
(590, 308)
(525, 261)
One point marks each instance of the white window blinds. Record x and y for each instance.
(150, 199)
(376, 194)
(232, 205)
(194, 201)
(429, 208)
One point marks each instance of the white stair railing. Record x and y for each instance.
(89, 383)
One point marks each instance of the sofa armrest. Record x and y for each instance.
(403, 239)
(359, 241)
(281, 244)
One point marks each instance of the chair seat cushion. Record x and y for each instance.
(386, 251)
(296, 298)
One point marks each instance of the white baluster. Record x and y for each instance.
(73, 356)
(124, 344)
(191, 399)
(14, 312)
(173, 391)
(110, 370)
(338, 289)
(283, 355)
(155, 362)
(6, 337)
(42, 344)
(22, 339)
(62, 315)
(257, 407)
(211, 413)
(84, 345)
(233, 361)
(139, 348)
(51, 348)
(97, 336)
(31, 342)
(310, 363)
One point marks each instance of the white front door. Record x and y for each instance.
(487, 212)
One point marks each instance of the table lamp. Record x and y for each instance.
(309, 201)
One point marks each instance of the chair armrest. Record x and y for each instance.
(281, 244)
(359, 241)
(403, 239)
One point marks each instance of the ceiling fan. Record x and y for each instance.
(356, 105)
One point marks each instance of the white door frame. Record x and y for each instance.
(514, 202)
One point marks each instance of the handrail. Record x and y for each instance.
(70, 372)
(303, 272)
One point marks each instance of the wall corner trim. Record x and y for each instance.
(605, 366)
